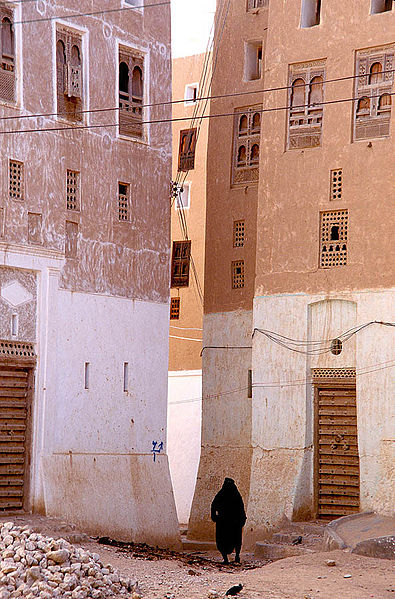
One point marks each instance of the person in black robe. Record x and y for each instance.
(227, 511)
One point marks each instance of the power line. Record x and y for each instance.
(178, 119)
(170, 102)
(184, 338)
(90, 14)
(293, 383)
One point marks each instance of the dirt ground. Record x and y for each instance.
(192, 576)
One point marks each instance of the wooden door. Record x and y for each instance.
(336, 449)
(14, 410)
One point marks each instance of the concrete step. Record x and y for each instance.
(191, 545)
(275, 551)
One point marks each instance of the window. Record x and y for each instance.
(131, 93)
(7, 66)
(191, 93)
(186, 152)
(381, 6)
(238, 233)
(253, 61)
(16, 180)
(311, 13)
(238, 274)
(246, 141)
(306, 95)
(69, 75)
(180, 263)
(123, 202)
(174, 308)
(334, 231)
(184, 199)
(34, 228)
(136, 3)
(73, 190)
(336, 184)
(373, 89)
(255, 4)
(71, 239)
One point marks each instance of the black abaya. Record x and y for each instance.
(227, 511)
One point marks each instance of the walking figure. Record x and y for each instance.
(227, 511)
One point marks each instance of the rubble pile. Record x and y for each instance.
(33, 565)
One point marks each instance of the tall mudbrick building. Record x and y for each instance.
(299, 280)
(84, 275)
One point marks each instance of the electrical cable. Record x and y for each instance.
(297, 382)
(169, 102)
(172, 120)
(90, 14)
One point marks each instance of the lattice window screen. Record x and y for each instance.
(16, 180)
(73, 190)
(238, 233)
(246, 142)
(13, 349)
(123, 202)
(334, 232)
(174, 308)
(336, 184)
(238, 274)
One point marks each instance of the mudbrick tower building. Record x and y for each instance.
(84, 275)
(299, 282)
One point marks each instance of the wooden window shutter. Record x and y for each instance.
(186, 152)
(180, 263)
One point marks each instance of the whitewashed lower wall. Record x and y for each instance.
(282, 419)
(226, 414)
(184, 421)
(92, 460)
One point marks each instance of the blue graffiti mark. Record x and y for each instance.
(156, 448)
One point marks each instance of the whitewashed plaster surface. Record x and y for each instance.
(91, 457)
(282, 421)
(184, 420)
(226, 414)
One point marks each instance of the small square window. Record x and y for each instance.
(184, 199)
(253, 61)
(136, 3)
(238, 233)
(311, 13)
(336, 184)
(191, 94)
(255, 4)
(238, 274)
(174, 308)
(123, 202)
(16, 180)
(73, 190)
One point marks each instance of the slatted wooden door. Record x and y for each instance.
(13, 436)
(337, 460)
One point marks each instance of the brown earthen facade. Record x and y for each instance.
(317, 262)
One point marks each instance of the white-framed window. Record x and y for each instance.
(137, 3)
(191, 93)
(253, 60)
(184, 201)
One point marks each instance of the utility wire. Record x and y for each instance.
(90, 14)
(169, 102)
(172, 120)
(293, 383)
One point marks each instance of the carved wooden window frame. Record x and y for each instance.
(8, 61)
(372, 119)
(131, 102)
(69, 75)
(246, 136)
(305, 119)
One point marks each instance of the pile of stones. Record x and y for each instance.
(33, 565)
